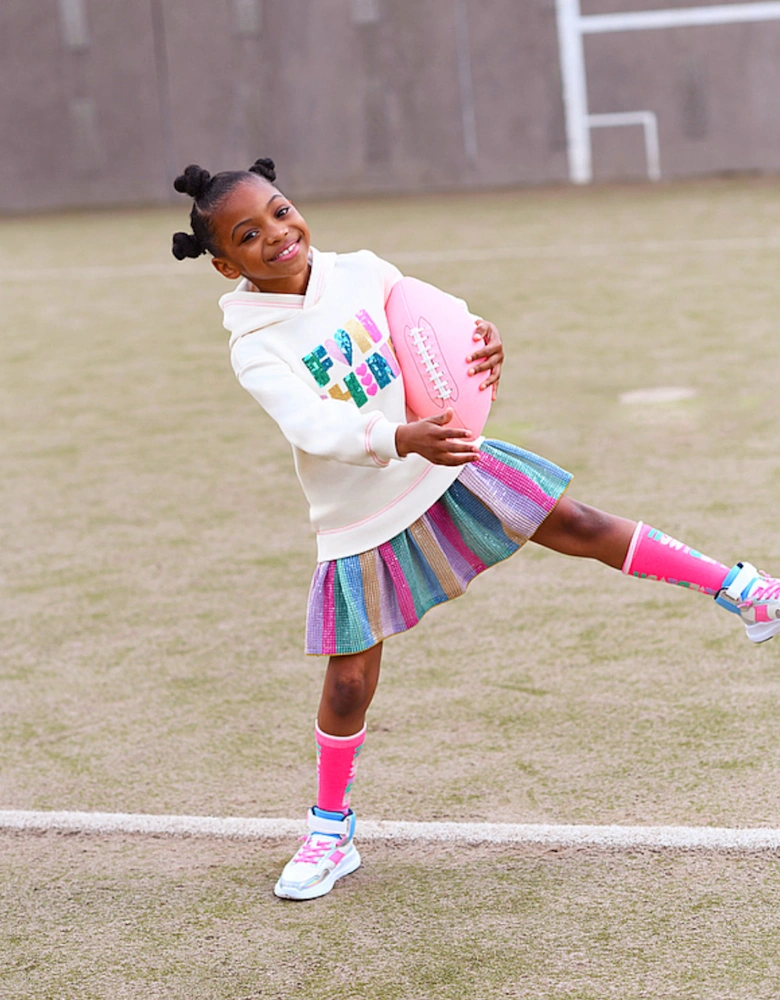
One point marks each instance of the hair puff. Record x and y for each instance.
(193, 181)
(265, 167)
(186, 245)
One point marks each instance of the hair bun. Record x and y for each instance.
(186, 245)
(265, 167)
(193, 181)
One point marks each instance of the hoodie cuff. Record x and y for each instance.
(380, 440)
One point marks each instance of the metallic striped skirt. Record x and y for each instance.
(491, 509)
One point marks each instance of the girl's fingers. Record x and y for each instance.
(486, 366)
(457, 459)
(462, 448)
(444, 433)
(485, 331)
(453, 444)
(490, 356)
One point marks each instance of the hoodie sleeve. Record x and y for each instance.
(390, 274)
(328, 428)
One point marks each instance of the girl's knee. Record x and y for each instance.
(349, 683)
(347, 693)
(581, 522)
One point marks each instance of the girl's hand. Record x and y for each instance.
(489, 357)
(437, 442)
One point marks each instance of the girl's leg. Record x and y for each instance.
(328, 852)
(633, 547)
(350, 683)
(639, 550)
(575, 529)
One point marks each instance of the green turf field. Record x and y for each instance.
(156, 561)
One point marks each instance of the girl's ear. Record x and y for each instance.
(225, 268)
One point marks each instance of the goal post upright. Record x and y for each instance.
(575, 90)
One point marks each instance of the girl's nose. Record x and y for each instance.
(278, 231)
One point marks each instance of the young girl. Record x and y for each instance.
(406, 513)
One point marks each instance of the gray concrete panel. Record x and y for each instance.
(520, 121)
(80, 125)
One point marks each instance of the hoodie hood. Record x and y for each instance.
(245, 310)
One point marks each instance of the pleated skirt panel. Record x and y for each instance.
(489, 512)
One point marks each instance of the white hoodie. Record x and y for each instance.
(322, 366)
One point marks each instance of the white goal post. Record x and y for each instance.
(573, 26)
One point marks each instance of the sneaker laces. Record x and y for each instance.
(769, 591)
(314, 849)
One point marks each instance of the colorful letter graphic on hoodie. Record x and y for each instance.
(357, 345)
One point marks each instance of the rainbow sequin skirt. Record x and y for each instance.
(488, 513)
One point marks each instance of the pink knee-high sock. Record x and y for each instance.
(653, 555)
(337, 758)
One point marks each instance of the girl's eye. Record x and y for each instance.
(282, 211)
(250, 234)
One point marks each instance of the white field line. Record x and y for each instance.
(542, 252)
(607, 837)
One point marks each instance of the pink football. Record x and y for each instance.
(432, 333)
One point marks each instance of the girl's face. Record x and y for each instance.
(262, 237)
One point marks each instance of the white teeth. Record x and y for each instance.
(286, 252)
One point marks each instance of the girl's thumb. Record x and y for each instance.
(444, 418)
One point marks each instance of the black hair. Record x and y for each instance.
(208, 192)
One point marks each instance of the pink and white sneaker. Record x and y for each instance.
(755, 597)
(327, 854)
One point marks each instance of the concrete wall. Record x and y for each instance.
(79, 124)
(104, 101)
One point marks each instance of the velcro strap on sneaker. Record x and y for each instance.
(333, 827)
(746, 575)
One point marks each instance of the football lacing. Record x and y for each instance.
(435, 375)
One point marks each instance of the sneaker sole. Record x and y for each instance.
(346, 866)
(762, 631)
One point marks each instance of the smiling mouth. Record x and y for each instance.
(289, 251)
